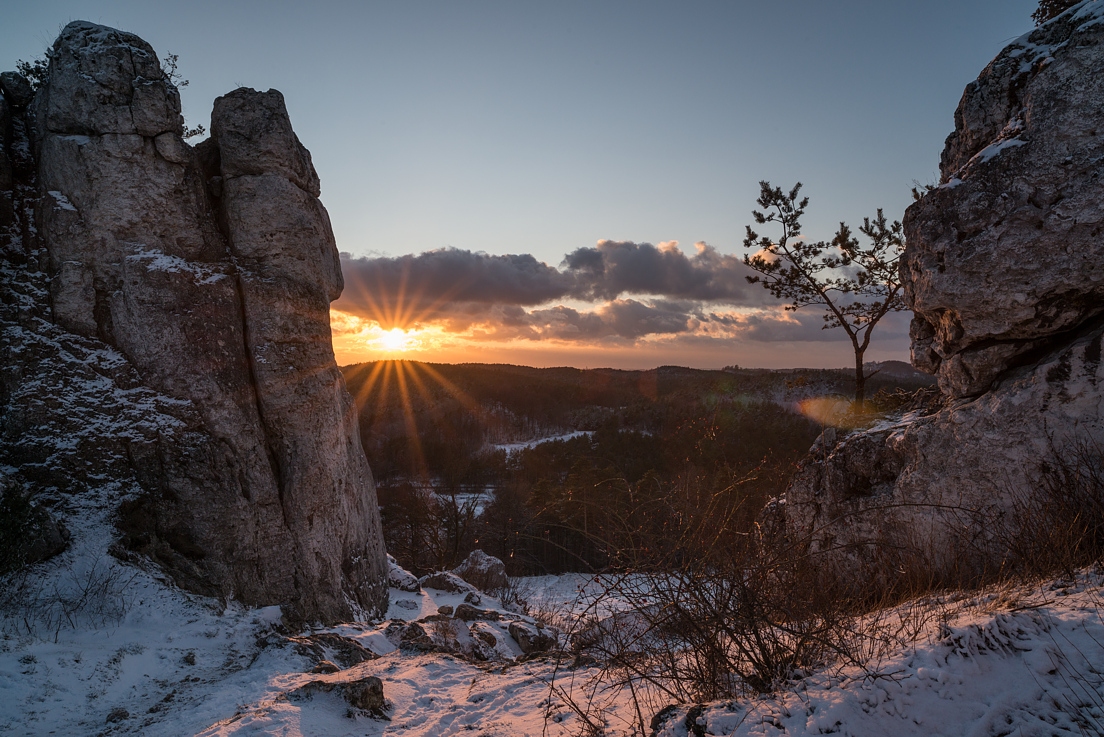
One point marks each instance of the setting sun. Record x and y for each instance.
(395, 340)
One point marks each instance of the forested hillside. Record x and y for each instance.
(454, 452)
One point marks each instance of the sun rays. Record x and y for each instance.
(364, 336)
(389, 380)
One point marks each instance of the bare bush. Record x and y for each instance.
(723, 601)
(82, 593)
(747, 619)
(1060, 527)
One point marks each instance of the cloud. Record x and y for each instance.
(431, 285)
(617, 321)
(482, 297)
(446, 283)
(613, 268)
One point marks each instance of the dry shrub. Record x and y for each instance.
(82, 593)
(723, 606)
(1060, 528)
(723, 601)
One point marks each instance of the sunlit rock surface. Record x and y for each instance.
(206, 274)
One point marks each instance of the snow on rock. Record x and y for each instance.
(533, 638)
(400, 578)
(131, 285)
(445, 581)
(1004, 272)
(1008, 258)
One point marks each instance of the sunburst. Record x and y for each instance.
(396, 340)
(406, 378)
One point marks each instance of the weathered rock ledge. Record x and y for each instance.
(1005, 259)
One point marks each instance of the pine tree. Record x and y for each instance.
(857, 287)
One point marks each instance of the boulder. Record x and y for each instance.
(255, 138)
(445, 581)
(923, 483)
(532, 638)
(469, 613)
(1005, 258)
(288, 272)
(329, 647)
(364, 693)
(105, 81)
(16, 89)
(1004, 269)
(484, 572)
(483, 645)
(118, 714)
(414, 636)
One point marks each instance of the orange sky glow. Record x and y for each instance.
(359, 339)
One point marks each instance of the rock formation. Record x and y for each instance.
(206, 275)
(1005, 257)
(1004, 269)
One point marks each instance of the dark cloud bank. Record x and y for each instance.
(503, 297)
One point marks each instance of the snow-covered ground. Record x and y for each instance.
(1027, 661)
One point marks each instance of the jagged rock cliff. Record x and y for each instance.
(192, 285)
(1006, 258)
(1004, 269)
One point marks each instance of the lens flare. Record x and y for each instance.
(830, 411)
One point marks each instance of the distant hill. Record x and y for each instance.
(899, 370)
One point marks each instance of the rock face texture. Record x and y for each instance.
(1006, 257)
(205, 274)
(1004, 269)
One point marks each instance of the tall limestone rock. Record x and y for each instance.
(1005, 257)
(1004, 269)
(209, 273)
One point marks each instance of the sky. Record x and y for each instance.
(567, 183)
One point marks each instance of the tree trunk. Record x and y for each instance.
(860, 382)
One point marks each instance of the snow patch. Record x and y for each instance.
(526, 445)
(155, 260)
(62, 201)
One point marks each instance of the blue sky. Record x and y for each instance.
(542, 128)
